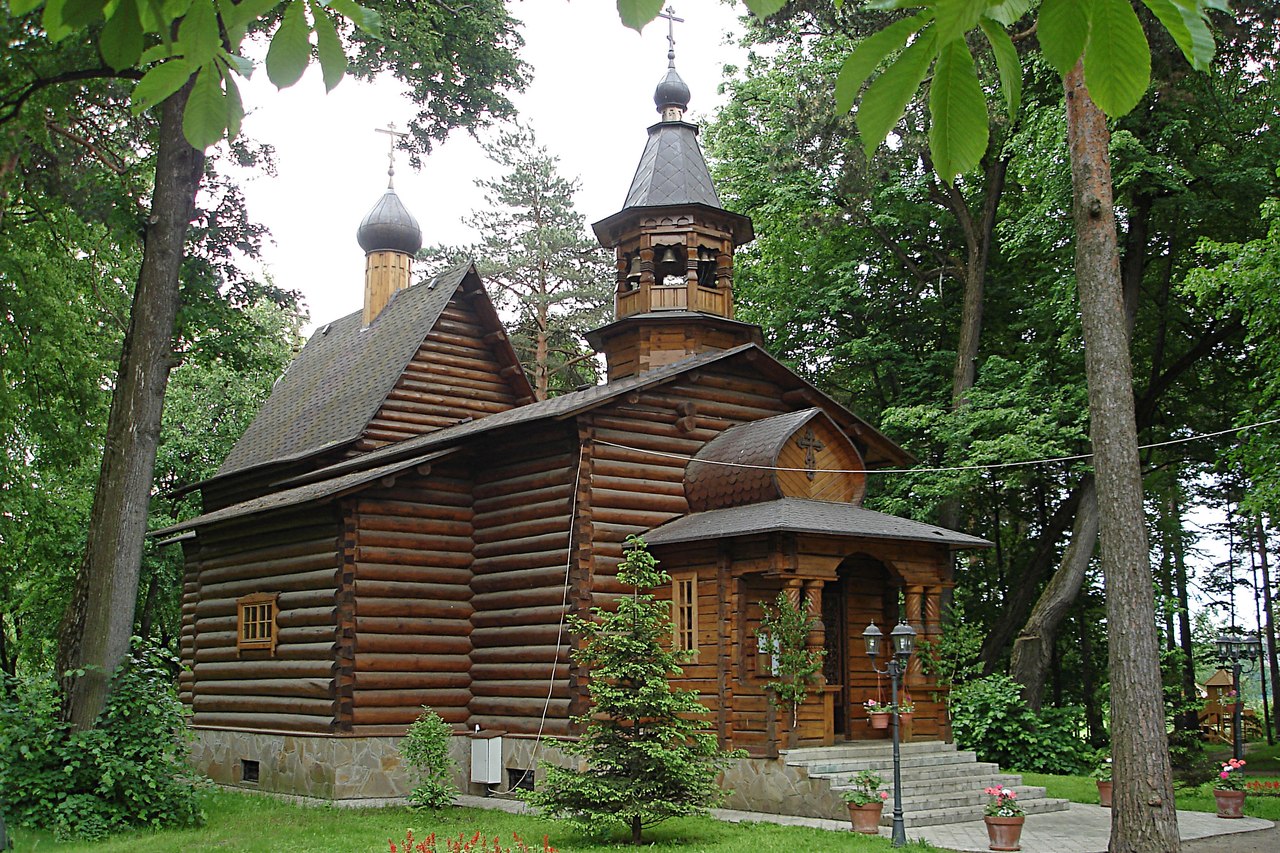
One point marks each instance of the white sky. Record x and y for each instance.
(590, 101)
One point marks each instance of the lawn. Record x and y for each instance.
(247, 823)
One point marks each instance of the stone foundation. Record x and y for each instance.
(342, 768)
(772, 786)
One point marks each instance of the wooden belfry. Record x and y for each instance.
(403, 525)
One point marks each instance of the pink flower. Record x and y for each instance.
(1224, 774)
(884, 795)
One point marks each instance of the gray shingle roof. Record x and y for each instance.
(751, 444)
(672, 169)
(796, 515)
(336, 384)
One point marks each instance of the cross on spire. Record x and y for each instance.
(395, 137)
(670, 14)
(811, 445)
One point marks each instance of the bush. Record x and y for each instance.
(425, 749)
(128, 771)
(989, 716)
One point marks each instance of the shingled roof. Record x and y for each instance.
(336, 384)
(796, 515)
(672, 169)
(751, 449)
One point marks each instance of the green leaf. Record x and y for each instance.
(80, 13)
(290, 49)
(886, 99)
(156, 53)
(1006, 63)
(243, 67)
(121, 38)
(636, 13)
(333, 60)
(1009, 12)
(198, 36)
(764, 8)
(235, 106)
(51, 20)
(957, 17)
(22, 7)
(1063, 30)
(1117, 59)
(366, 19)
(159, 83)
(870, 53)
(205, 118)
(238, 17)
(958, 125)
(1188, 28)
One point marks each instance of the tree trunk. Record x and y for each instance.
(1143, 818)
(636, 830)
(94, 635)
(1269, 648)
(1033, 649)
(1190, 719)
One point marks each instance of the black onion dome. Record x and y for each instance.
(672, 91)
(389, 227)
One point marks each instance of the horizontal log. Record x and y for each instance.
(493, 509)
(313, 688)
(639, 501)
(438, 507)
(553, 727)
(310, 634)
(665, 444)
(517, 688)
(545, 577)
(409, 404)
(419, 608)
(399, 589)
(325, 543)
(408, 625)
(436, 698)
(491, 672)
(644, 485)
(302, 581)
(525, 544)
(263, 704)
(521, 485)
(517, 616)
(268, 722)
(249, 535)
(370, 521)
(517, 635)
(520, 562)
(531, 521)
(289, 651)
(433, 581)
(247, 669)
(412, 557)
(646, 520)
(551, 595)
(519, 707)
(365, 681)
(521, 654)
(412, 644)
(386, 716)
(383, 662)
(414, 541)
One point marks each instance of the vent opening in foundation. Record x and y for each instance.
(248, 770)
(519, 779)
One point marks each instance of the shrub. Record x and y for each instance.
(425, 749)
(989, 716)
(130, 770)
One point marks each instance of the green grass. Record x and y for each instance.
(247, 823)
(1196, 798)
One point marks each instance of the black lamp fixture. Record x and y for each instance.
(902, 641)
(1237, 648)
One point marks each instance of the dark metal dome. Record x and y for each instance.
(672, 91)
(389, 227)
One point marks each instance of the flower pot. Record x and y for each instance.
(880, 720)
(866, 818)
(1004, 833)
(1230, 803)
(906, 717)
(1104, 793)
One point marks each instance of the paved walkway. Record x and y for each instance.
(1079, 829)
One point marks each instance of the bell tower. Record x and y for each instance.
(673, 244)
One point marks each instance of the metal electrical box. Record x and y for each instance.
(486, 758)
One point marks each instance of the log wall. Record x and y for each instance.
(296, 553)
(411, 591)
(454, 376)
(519, 657)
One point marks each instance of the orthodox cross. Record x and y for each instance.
(395, 137)
(811, 446)
(672, 20)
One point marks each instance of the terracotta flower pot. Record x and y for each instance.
(880, 720)
(1230, 803)
(866, 818)
(906, 717)
(1104, 793)
(1004, 832)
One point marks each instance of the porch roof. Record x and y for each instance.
(797, 515)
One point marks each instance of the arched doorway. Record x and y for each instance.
(865, 590)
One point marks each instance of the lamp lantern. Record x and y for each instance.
(872, 637)
(903, 638)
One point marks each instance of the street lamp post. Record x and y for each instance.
(902, 638)
(1237, 648)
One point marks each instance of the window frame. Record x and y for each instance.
(248, 605)
(684, 612)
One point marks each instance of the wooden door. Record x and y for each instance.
(835, 666)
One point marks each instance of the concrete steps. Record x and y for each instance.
(940, 784)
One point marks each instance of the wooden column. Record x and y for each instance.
(817, 630)
(727, 614)
(914, 598)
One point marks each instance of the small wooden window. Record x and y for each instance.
(256, 623)
(684, 611)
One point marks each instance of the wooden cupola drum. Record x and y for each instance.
(673, 244)
(390, 237)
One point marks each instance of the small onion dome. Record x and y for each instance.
(389, 227)
(672, 91)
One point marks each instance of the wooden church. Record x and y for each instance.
(404, 525)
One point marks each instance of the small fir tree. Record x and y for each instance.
(785, 630)
(650, 754)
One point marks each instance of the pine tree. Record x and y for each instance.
(650, 753)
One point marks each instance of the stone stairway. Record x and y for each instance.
(940, 784)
